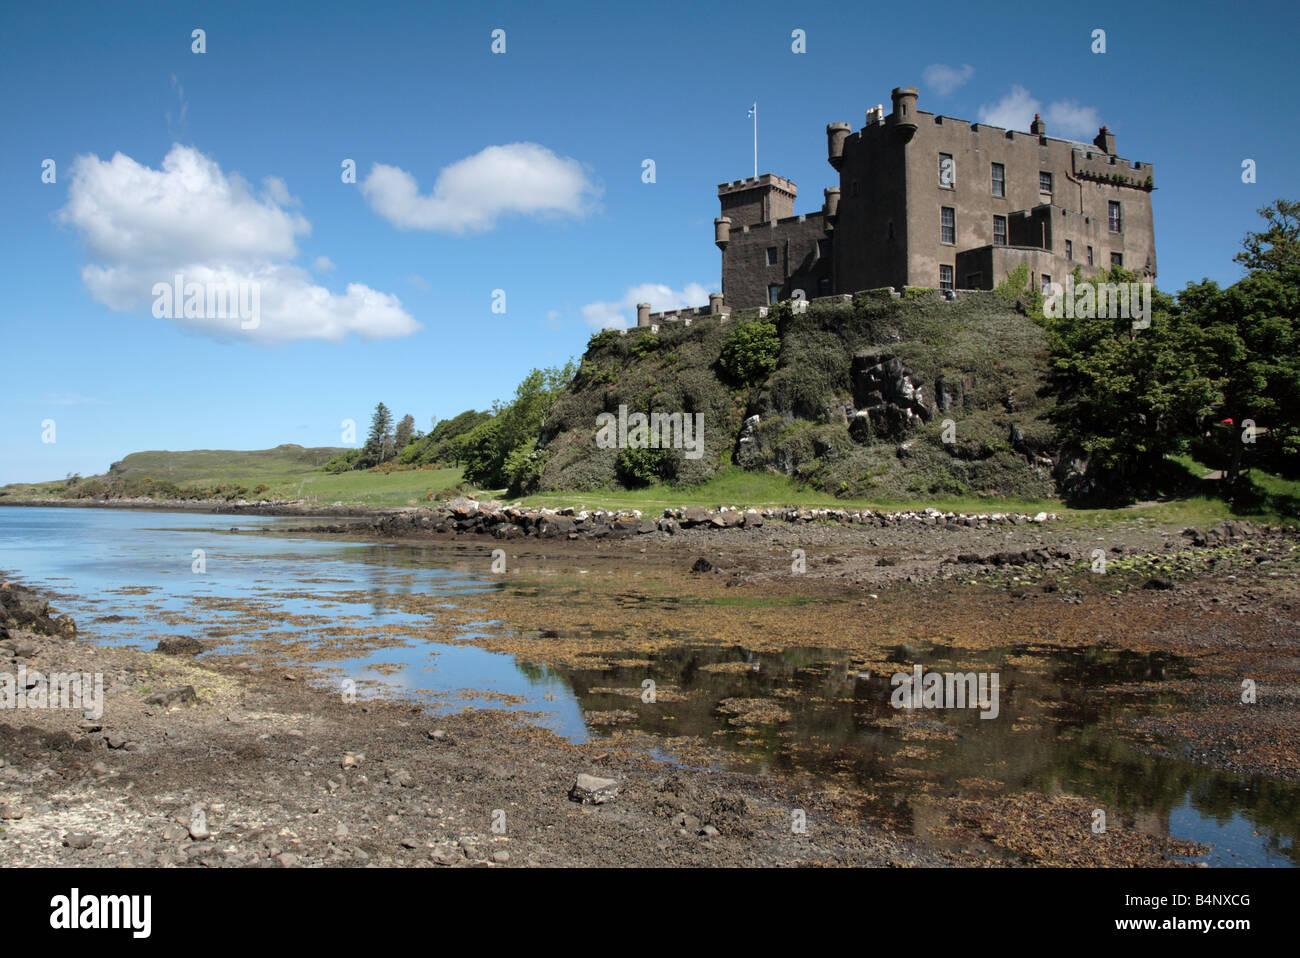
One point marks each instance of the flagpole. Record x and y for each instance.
(755, 139)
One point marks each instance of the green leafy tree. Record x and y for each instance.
(404, 433)
(1129, 398)
(514, 424)
(751, 352)
(1253, 328)
(1275, 249)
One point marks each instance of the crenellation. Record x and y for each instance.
(929, 200)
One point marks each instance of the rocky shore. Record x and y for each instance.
(240, 761)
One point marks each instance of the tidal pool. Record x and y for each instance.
(132, 577)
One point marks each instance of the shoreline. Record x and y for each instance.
(264, 753)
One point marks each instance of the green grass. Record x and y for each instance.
(287, 472)
(210, 467)
(405, 488)
(736, 487)
(1279, 498)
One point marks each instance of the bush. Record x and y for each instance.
(751, 352)
(642, 467)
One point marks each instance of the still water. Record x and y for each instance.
(128, 577)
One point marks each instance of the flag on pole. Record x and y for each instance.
(750, 114)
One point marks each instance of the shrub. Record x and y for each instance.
(751, 352)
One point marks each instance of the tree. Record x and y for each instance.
(1128, 399)
(1253, 328)
(486, 448)
(405, 431)
(379, 444)
(751, 352)
(1277, 248)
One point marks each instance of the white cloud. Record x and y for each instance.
(471, 194)
(944, 80)
(419, 282)
(1064, 118)
(143, 226)
(621, 314)
(1073, 119)
(322, 264)
(1015, 111)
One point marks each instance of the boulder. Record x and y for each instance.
(590, 790)
(179, 645)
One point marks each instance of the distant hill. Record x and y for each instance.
(215, 466)
(881, 396)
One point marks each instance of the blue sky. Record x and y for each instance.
(519, 172)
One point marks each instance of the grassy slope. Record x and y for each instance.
(733, 486)
(987, 357)
(288, 472)
(211, 467)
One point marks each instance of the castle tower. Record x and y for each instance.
(832, 205)
(1105, 141)
(836, 134)
(722, 232)
(762, 199)
(904, 115)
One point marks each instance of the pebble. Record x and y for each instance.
(443, 855)
(77, 840)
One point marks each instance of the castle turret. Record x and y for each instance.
(1105, 141)
(715, 303)
(759, 199)
(831, 207)
(1038, 127)
(904, 115)
(836, 134)
(722, 231)
(643, 314)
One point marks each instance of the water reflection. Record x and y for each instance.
(126, 577)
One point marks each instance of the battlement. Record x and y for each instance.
(1095, 165)
(926, 199)
(687, 316)
(757, 182)
(813, 217)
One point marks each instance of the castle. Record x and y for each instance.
(927, 200)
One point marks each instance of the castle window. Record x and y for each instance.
(1044, 182)
(1069, 250)
(891, 229)
(947, 172)
(947, 225)
(823, 248)
(945, 277)
(999, 180)
(1117, 259)
(1089, 255)
(1047, 284)
(999, 231)
(771, 256)
(773, 295)
(1115, 219)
